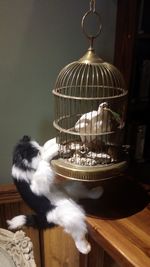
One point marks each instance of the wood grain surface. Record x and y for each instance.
(120, 223)
(59, 249)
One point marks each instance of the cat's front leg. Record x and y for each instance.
(95, 192)
(42, 179)
(50, 150)
(78, 190)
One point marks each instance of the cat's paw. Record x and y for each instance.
(83, 246)
(96, 192)
(50, 150)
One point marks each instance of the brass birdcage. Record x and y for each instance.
(90, 107)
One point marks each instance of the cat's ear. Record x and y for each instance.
(25, 139)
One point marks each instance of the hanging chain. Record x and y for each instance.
(92, 5)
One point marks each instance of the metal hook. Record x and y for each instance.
(92, 5)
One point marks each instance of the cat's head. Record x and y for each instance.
(27, 154)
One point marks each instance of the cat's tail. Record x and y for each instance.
(33, 220)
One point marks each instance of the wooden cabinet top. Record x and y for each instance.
(122, 226)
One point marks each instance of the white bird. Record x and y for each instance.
(94, 122)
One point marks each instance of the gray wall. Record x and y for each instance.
(37, 39)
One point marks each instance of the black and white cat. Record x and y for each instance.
(53, 203)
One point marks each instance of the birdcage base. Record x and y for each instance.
(99, 172)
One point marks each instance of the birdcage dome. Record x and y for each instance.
(90, 79)
(90, 107)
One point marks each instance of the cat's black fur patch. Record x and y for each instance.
(37, 221)
(24, 150)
